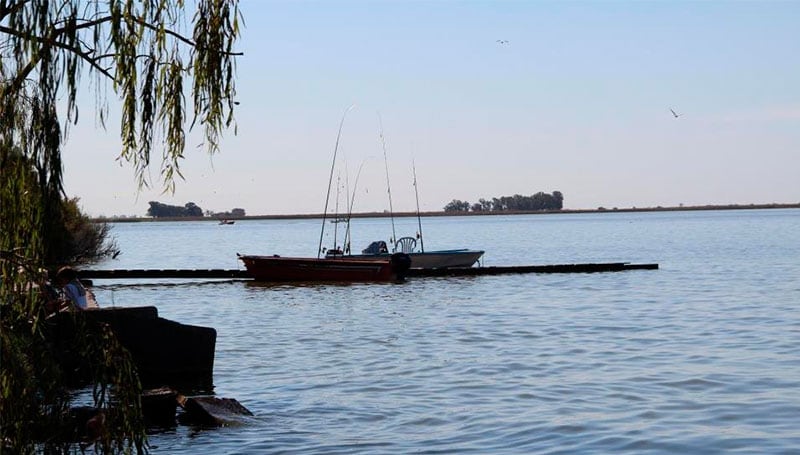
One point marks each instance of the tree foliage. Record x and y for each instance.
(159, 210)
(517, 202)
(233, 213)
(141, 52)
(138, 48)
(457, 205)
(72, 237)
(84, 241)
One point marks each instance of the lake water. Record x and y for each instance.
(700, 356)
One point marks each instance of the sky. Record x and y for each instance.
(486, 99)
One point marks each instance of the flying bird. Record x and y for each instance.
(502, 41)
(674, 114)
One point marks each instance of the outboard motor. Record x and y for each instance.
(376, 247)
(401, 262)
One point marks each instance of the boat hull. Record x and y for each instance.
(292, 269)
(445, 259)
(441, 259)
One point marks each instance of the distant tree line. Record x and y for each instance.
(159, 210)
(233, 213)
(517, 202)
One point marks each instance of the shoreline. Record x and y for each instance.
(443, 213)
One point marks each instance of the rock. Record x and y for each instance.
(208, 410)
(159, 407)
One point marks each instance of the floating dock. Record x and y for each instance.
(505, 270)
(456, 271)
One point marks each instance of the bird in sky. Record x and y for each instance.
(502, 41)
(674, 114)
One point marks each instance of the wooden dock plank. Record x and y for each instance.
(460, 271)
(558, 268)
(162, 273)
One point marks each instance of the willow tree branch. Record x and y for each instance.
(48, 42)
(143, 23)
(6, 10)
(15, 84)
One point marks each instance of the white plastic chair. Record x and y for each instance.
(405, 244)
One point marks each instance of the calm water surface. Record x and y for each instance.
(700, 356)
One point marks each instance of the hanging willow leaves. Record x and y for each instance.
(140, 52)
(139, 49)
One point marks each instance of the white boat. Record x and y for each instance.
(439, 259)
(332, 267)
(444, 259)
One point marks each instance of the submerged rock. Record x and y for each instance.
(208, 410)
(159, 407)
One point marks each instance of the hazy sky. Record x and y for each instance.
(489, 99)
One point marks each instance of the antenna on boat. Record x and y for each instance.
(419, 220)
(388, 187)
(330, 179)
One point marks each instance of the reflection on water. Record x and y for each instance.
(700, 356)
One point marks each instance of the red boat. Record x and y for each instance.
(332, 267)
(281, 269)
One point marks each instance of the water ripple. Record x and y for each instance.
(701, 356)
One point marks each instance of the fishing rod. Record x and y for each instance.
(388, 186)
(419, 219)
(350, 209)
(330, 179)
(336, 212)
